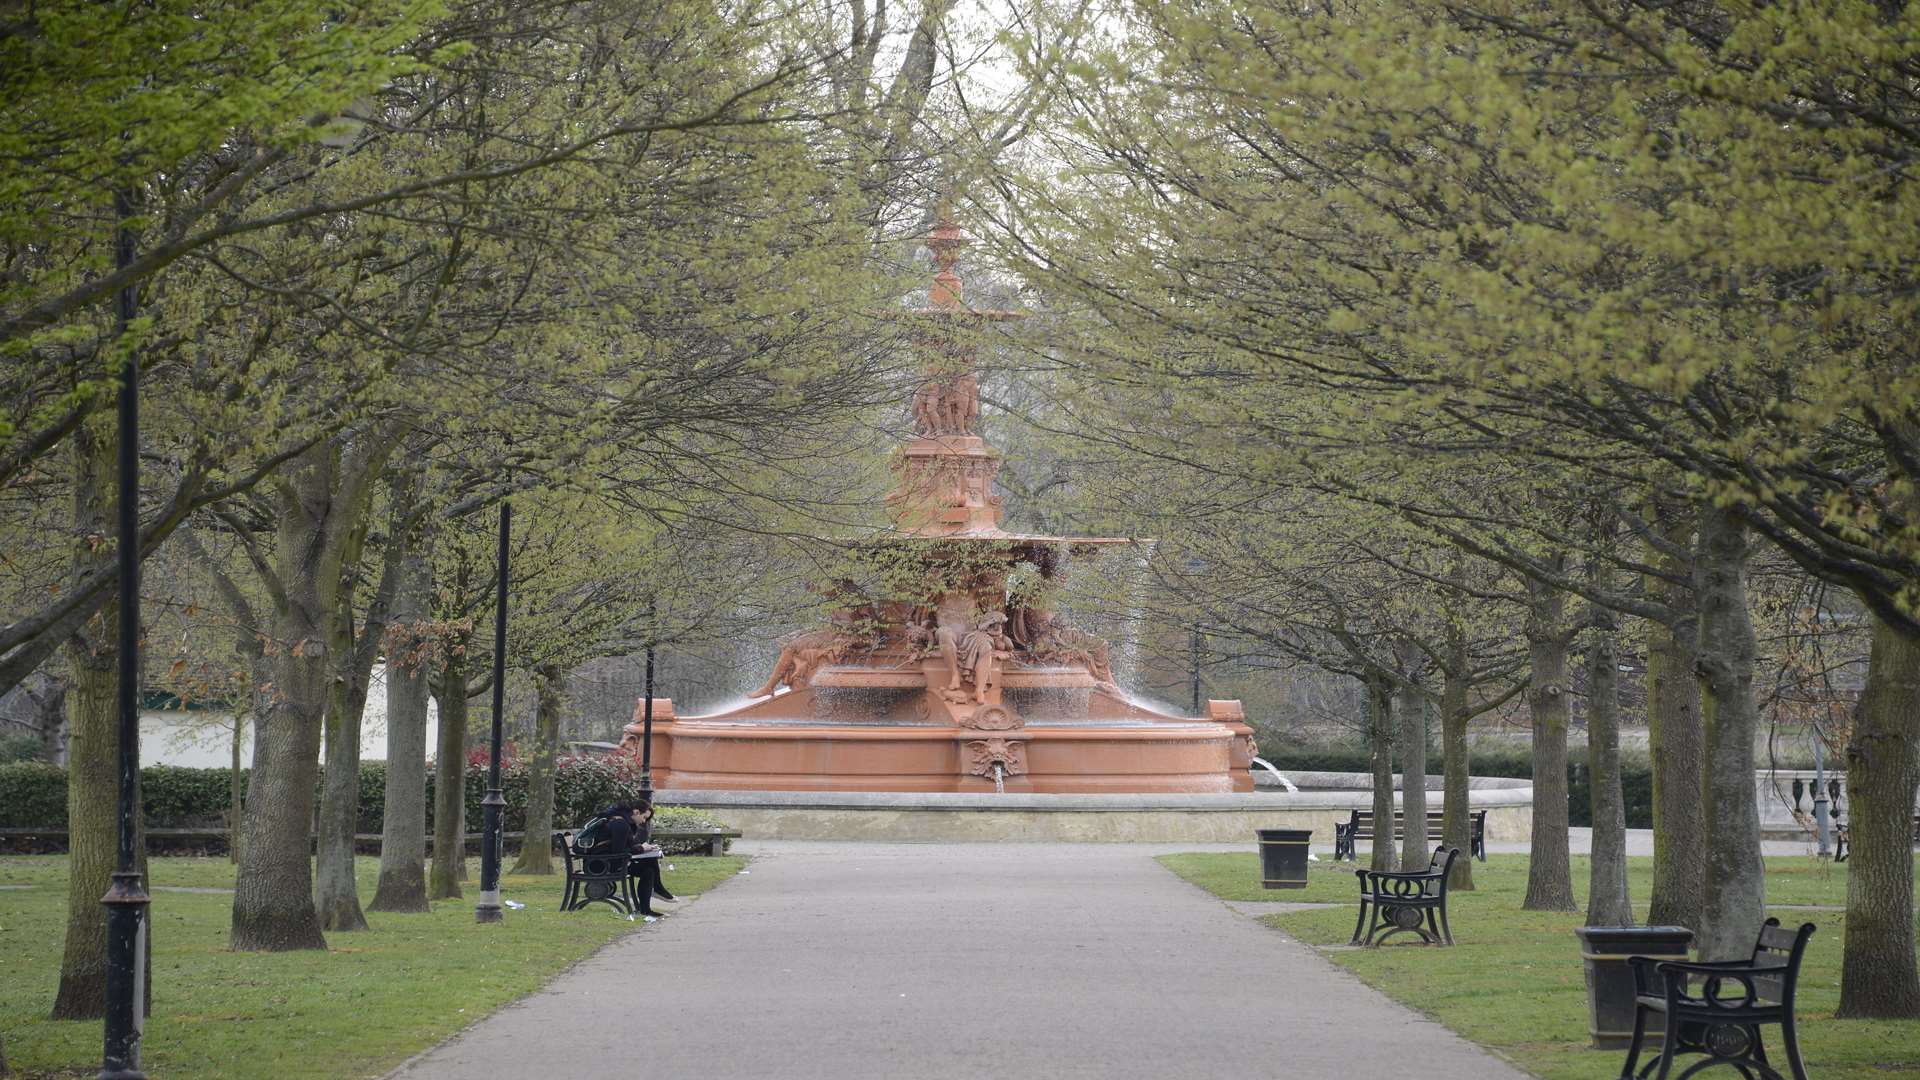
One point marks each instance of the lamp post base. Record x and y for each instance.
(126, 903)
(489, 909)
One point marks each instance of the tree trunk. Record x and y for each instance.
(449, 780)
(336, 896)
(403, 830)
(1380, 746)
(536, 852)
(236, 791)
(1676, 741)
(93, 785)
(1607, 902)
(1877, 974)
(1735, 895)
(1549, 869)
(1412, 706)
(273, 891)
(1456, 826)
(93, 748)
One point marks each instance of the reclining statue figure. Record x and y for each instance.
(803, 654)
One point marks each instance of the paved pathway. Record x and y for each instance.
(904, 962)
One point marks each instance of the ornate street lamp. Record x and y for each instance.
(488, 910)
(126, 899)
(1193, 645)
(646, 725)
(1822, 817)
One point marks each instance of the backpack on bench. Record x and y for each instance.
(592, 836)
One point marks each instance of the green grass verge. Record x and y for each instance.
(357, 1010)
(1514, 982)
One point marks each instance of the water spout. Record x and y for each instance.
(999, 779)
(1282, 777)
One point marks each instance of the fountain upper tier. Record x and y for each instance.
(927, 684)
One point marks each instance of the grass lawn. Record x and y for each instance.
(1514, 981)
(355, 1011)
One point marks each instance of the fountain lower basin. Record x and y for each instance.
(1169, 817)
(1047, 731)
(1081, 756)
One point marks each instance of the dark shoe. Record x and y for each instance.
(665, 895)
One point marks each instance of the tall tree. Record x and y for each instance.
(322, 506)
(1735, 899)
(94, 744)
(410, 642)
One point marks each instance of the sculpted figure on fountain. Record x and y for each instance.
(1067, 646)
(977, 657)
(946, 404)
(803, 654)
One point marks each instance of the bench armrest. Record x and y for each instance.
(1714, 976)
(1404, 875)
(1647, 969)
(1717, 967)
(1388, 886)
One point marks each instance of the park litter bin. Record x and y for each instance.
(1605, 949)
(1283, 858)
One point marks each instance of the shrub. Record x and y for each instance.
(179, 798)
(33, 794)
(1636, 774)
(21, 748)
(686, 817)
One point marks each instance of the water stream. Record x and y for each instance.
(1282, 777)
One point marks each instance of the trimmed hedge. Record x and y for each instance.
(1636, 774)
(34, 794)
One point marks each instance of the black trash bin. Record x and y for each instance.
(1283, 858)
(1605, 949)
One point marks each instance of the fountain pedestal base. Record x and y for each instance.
(777, 745)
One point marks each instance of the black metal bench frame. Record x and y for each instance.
(597, 877)
(1406, 903)
(1721, 1017)
(1361, 827)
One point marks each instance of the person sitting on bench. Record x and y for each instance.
(643, 834)
(627, 827)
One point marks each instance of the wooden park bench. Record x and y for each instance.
(1843, 839)
(1410, 903)
(1717, 1009)
(1361, 827)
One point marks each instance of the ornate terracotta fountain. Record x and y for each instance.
(949, 670)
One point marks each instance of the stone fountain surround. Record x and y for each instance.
(1221, 817)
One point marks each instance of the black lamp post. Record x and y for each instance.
(1822, 818)
(488, 910)
(1193, 646)
(646, 730)
(126, 899)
